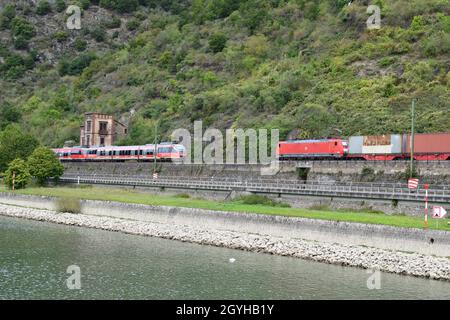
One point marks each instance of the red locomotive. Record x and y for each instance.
(312, 149)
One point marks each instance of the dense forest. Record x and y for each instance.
(310, 68)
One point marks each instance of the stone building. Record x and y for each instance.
(101, 130)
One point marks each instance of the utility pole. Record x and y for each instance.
(155, 150)
(413, 106)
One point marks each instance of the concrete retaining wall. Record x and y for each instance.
(430, 242)
(330, 171)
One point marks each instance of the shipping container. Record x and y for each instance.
(383, 144)
(429, 143)
(429, 146)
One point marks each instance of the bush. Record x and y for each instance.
(60, 36)
(182, 195)
(98, 33)
(20, 43)
(255, 199)
(60, 5)
(85, 4)
(68, 205)
(44, 165)
(75, 66)
(18, 175)
(133, 24)
(9, 12)
(43, 7)
(112, 23)
(22, 28)
(80, 44)
(217, 42)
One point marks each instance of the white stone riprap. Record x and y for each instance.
(413, 264)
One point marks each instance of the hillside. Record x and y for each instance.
(310, 68)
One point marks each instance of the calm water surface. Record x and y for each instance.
(34, 257)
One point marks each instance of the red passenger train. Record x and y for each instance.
(164, 152)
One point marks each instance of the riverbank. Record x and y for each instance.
(413, 264)
(183, 200)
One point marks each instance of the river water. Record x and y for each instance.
(34, 257)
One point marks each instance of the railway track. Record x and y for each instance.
(383, 191)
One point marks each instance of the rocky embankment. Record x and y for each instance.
(357, 256)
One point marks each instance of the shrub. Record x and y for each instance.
(9, 12)
(20, 43)
(60, 5)
(68, 205)
(85, 4)
(80, 44)
(112, 23)
(44, 165)
(75, 66)
(17, 175)
(60, 36)
(217, 42)
(98, 33)
(133, 24)
(255, 199)
(182, 195)
(22, 28)
(43, 7)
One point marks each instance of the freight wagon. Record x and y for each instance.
(434, 146)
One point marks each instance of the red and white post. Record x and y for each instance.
(426, 205)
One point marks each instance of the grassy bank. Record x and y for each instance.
(133, 196)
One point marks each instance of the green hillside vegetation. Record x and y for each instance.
(308, 67)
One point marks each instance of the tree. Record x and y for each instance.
(15, 144)
(18, 174)
(44, 165)
(8, 114)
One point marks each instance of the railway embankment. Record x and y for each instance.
(417, 252)
(433, 172)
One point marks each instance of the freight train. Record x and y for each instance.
(427, 146)
(164, 152)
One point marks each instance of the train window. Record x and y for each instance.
(140, 152)
(165, 150)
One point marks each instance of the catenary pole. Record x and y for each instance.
(411, 169)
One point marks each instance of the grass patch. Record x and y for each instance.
(133, 196)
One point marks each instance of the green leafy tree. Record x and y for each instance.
(14, 143)
(18, 174)
(8, 114)
(44, 164)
